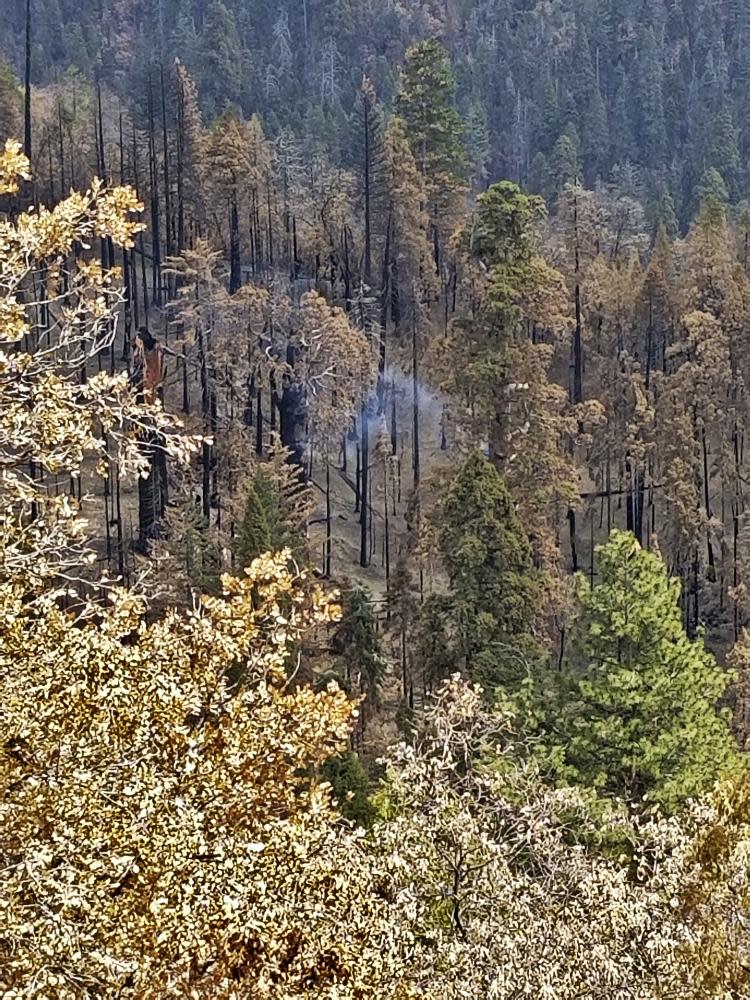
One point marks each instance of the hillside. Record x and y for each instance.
(648, 96)
(374, 521)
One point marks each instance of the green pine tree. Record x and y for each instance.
(193, 543)
(494, 586)
(350, 786)
(641, 720)
(501, 233)
(222, 58)
(425, 104)
(279, 534)
(253, 536)
(650, 128)
(11, 103)
(357, 643)
(565, 164)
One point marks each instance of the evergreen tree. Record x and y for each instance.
(350, 786)
(280, 534)
(222, 58)
(435, 133)
(253, 536)
(357, 643)
(501, 233)
(565, 165)
(642, 721)
(193, 543)
(623, 148)
(650, 129)
(712, 188)
(425, 103)
(494, 587)
(10, 105)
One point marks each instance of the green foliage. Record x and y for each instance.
(639, 718)
(280, 534)
(351, 785)
(267, 521)
(10, 104)
(221, 63)
(434, 640)
(500, 233)
(565, 165)
(425, 103)
(194, 545)
(712, 188)
(501, 236)
(357, 643)
(406, 721)
(663, 84)
(253, 535)
(494, 587)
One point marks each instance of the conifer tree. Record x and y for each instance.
(10, 104)
(642, 721)
(221, 62)
(499, 355)
(494, 587)
(350, 787)
(651, 132)
(425, 103)
(194, 545)
(253, 536)
(357, 643)
(434, 130)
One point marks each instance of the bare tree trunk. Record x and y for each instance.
(141, 247)
(259, 423)
(61, 151)
(368, 169)
(385, 297)
(415, 399)
(357, 479)
(364, 516)
(180, 166)
(155, 221)
(707, 503)
(577, 335)
(27, 87)
(168, 221)
(235, 260)
(128, 325)
(328, 548)
(118, 517)
(387, 543)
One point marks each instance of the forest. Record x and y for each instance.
(375, 523)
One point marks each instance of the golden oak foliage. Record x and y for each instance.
(162, 830)
(14, 167)
(59, 411)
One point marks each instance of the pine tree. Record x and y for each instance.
(193, 543)
(565, 165)
(435, 132)
(425, 103)
(253, 536)
(404, 225)
(221, 63)
(10, 104)
(357, 643)
(650, 129)
(487, 556)
(643, 720)
(350, 787)
(280, 534)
